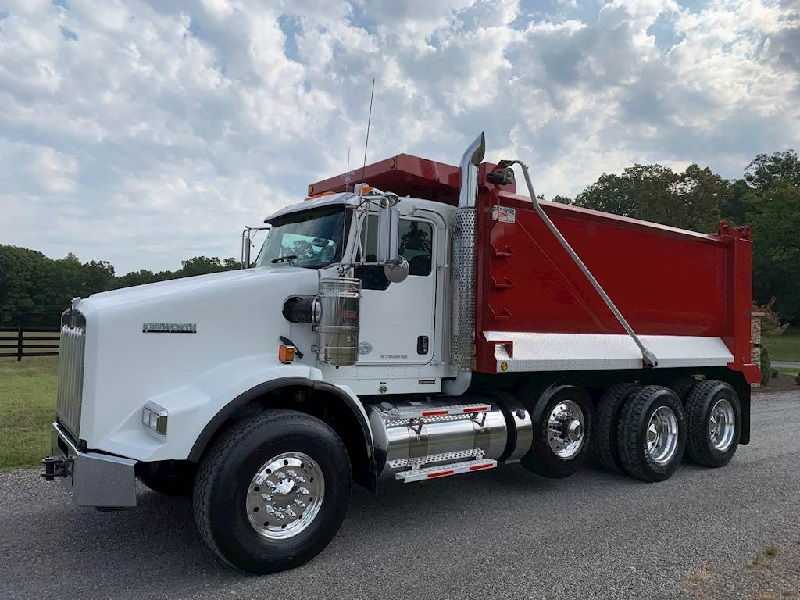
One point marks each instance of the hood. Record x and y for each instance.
(235, 318)
(193, 286)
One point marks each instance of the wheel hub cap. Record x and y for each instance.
(565, 429)
(721, 425)
(284, 486)
(662, 435)
(285, 495)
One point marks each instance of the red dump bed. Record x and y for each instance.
(666, 281)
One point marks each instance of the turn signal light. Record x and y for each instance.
(286, 353)
(155, 417)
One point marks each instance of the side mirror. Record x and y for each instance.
(247, 241)
(396, 270)
(388, 223)
(395, 267)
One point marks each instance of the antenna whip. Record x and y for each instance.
(369, 124)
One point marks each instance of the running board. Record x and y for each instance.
(441, 471)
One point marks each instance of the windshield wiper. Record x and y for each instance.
(284, 258)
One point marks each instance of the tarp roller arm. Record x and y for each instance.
(648, 358)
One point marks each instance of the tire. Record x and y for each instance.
(641, 413)
(705, 446)
(604, 436)
(544, 459)
(682, 387)
(171, 478)
(295, 456)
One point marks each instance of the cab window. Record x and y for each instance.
(416, 246)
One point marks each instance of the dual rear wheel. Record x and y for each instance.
(643, 431)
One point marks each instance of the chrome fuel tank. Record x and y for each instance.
(416, 434)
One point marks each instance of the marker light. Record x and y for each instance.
(286, 353)
(362, 189)
(154, 417)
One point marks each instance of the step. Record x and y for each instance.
(431, 412)
(441, 471)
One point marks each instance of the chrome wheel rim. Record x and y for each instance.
(662, 435)
(721, 425)
(566, 429)
(285, 495)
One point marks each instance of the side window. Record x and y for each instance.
(416, 246)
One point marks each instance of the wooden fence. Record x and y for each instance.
(28, 341)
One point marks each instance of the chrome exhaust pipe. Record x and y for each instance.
(462, 279)
(470, 161)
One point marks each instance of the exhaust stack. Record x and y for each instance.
(462, 342)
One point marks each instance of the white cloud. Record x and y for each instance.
(55, 171)
(147, 131)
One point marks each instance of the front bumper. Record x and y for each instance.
(95, 479)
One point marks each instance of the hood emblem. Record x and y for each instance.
(169, 327)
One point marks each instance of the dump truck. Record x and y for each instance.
(408, 321)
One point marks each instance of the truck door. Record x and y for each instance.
(397, 321)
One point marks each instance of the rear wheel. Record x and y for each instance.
(682, 387)
(714, 414)
(273, 491)
(561, 427)
(604, 436)
(651, 434)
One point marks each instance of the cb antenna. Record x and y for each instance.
(369, 124)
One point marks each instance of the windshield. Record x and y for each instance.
(313, 238)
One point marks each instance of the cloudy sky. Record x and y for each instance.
(147, 131)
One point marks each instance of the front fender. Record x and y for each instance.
(194, 406)
(343, 393)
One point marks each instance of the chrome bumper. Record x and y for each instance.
(96, 479)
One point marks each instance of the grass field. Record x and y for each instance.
(783, 347)
(27, 407)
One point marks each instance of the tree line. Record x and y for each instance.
(34, 289)
(767, 197)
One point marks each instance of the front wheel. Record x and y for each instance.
(273, 491)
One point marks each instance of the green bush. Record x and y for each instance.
(766, 367)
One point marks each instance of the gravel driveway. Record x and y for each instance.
(728, 533)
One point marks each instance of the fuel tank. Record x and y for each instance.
(424, 433)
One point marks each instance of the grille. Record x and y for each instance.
(70, 371)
